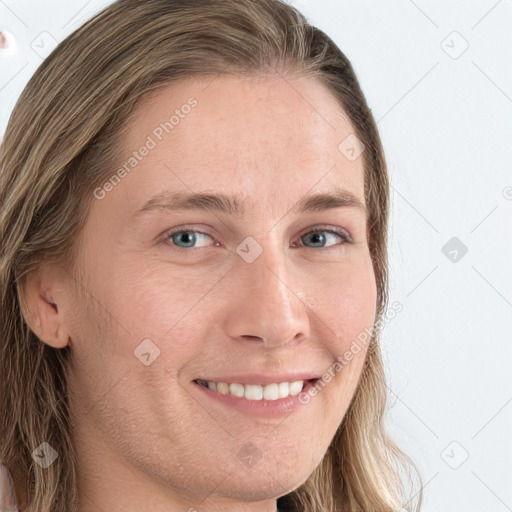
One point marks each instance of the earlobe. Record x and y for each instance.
(42, 314)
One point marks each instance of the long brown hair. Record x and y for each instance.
(61, 142)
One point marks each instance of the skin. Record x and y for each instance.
(144, 435)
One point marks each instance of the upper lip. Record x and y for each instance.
(259, 378)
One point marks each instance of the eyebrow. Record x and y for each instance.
(175, 201)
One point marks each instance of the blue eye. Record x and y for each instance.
(187, 238)
(318, 237)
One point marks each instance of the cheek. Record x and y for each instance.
(347, 303)
(163, 303)
(167, 307)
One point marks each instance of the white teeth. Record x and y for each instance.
(295, 387)
(283, 390)
(270, 392)
(236, 389)
(223, 388)
(255, 391)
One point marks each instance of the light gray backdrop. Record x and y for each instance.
(438, 77)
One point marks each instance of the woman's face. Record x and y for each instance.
(247, 297)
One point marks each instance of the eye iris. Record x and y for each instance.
(315, 236)
(189, 236)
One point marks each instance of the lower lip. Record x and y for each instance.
(261, 408)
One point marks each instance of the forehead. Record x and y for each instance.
(267, 136)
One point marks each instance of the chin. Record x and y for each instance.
(266, 479)
(260, 485)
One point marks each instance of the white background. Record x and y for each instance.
(444, 112)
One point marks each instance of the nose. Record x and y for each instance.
(266, 303)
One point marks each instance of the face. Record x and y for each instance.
(177, 291)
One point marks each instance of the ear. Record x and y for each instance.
(42, 301)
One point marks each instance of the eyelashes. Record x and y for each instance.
(320, 235)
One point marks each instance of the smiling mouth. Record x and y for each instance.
(274, 391)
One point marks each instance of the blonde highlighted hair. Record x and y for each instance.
(61, 143)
